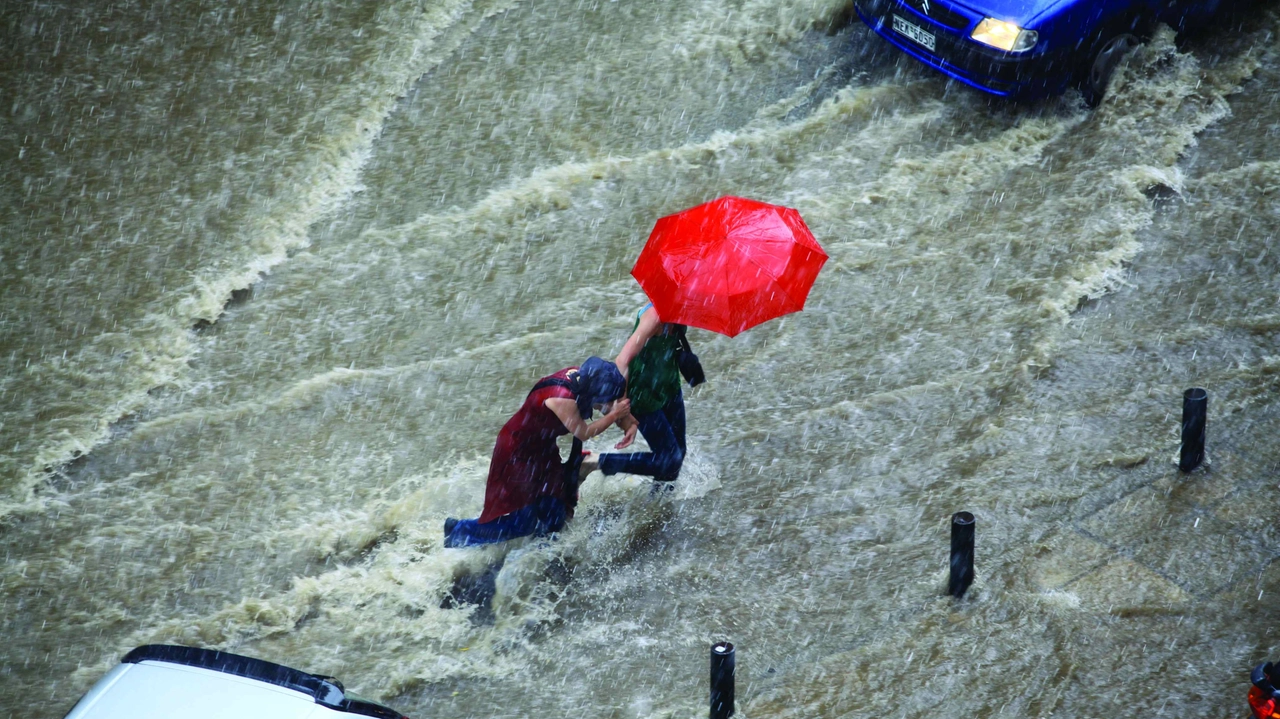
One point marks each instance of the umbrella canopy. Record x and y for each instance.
(729, 265)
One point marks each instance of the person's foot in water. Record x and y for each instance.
(661, 487)
(589, 464)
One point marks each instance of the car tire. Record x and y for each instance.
(1102, 64)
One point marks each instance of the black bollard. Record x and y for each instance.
(961, 554)
(1195, 423)
(722, 668)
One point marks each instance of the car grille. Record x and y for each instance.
(938, 13)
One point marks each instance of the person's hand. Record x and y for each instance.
(628, 437)
(621, 408)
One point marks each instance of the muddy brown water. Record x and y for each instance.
(273, 274)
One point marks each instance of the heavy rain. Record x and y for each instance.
(273, 275)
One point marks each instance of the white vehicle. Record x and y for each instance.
(159, 681)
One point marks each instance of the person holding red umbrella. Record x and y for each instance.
(650, 362)
(724, 266)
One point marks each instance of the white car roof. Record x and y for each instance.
(159, 690)
(158, 681)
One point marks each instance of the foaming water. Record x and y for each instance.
(205, 139)
(1016, 297)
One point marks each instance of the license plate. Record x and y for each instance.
(913, 31)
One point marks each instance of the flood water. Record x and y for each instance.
(272, 276)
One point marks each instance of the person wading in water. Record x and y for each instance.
(650, 361)
(529, 491)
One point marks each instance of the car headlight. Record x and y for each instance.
(1005, 35)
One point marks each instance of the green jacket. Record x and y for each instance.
(653, 378)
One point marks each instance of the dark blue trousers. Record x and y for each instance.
(544, 516)
(664, 431)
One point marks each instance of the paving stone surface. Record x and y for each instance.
(1067, 557)
(1124, 586)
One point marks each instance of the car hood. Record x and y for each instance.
(156, 690)
(1020, 12)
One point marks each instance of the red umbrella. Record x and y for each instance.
(729, 265)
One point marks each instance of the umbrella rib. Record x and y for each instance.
(728, 295)
(747, 256)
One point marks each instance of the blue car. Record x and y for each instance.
(1026, 48)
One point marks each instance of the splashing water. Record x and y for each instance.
(436, 203)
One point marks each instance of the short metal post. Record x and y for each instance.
(722, 669)
(1195, 423)
(962, 524)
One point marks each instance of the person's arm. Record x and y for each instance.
(567, 410)
(648, 327)
(629, 427)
